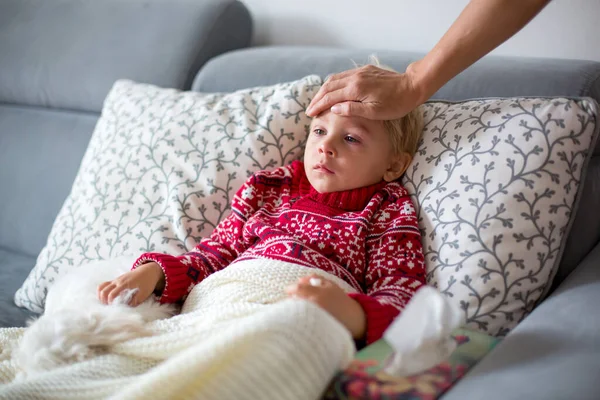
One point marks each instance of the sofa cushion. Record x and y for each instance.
(40, 151)
(15, 267)
(68, 53)
(161, 168)
(497, 183)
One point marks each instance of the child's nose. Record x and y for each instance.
(327, 148)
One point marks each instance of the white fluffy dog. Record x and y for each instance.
(76, 325)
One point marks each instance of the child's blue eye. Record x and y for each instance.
(319, 132)
(350, 139)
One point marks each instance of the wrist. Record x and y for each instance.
(358, 325)
(421, 81)
(155, 270)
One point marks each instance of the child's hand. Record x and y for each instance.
(332, 299)
(146, 278)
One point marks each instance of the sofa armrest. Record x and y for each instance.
(554, 353)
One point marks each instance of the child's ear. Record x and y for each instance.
(397, 167)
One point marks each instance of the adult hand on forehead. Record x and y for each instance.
(368, 92)
(375, 93)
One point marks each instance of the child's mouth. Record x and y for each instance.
(323, 169)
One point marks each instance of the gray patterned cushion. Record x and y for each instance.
(496, 181)
(161, 168)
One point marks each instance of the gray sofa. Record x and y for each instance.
(59, 58)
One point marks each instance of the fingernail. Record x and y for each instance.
(315, 282)
(336, 109)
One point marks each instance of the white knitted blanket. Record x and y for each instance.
(238, 337)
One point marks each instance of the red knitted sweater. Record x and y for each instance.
(368, 237)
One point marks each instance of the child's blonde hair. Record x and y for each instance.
(405, 132)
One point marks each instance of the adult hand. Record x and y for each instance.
(368, 92)
(332, 299)
(375, 93)
(145, 278)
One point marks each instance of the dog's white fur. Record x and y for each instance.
(76, 325)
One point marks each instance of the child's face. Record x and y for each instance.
(344, 153)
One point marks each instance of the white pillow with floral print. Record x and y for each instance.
(161, 168)
(496, 183)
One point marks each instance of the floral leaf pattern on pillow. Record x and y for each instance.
(161, 168)
(495, 183)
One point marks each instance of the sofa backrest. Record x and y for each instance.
(492, 76)
(58, 60)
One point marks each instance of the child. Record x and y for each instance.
(342, 210)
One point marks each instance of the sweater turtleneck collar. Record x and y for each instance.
(347, 200)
